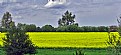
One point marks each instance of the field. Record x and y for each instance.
(68, 39)
(70, 52)
(64, 52)
(2, 35)
(73, 39)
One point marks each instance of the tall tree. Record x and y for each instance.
(17, 42)
(6, 20)
(67, 19)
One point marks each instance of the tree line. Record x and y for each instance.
(69, 28)
(65, 24)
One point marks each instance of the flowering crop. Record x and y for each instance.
(68, 39)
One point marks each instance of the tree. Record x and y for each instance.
(0, 29)
(22, 26)
(103, 29)
(62, 29)
(6, 20)
(67, 19)
(31, 28)
(47, 28)
(60, 22)
(67, 23)
(113, 28)
(73, 28)
(17, 42)
(38, 29)
(86, 28)
(94, 29)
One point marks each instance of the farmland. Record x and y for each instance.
(58, 41)
(68, 39)
(64, 52)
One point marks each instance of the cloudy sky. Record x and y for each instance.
(88, 12)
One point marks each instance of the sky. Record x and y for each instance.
(88, 12)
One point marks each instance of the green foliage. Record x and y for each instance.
(114, 43)
(67, 19)
(47, 28)
(7, 20)
(95, 29)
(79, 52)
(29, 28)
(38, 29)
(65, 52)
(22, 26)
(75, 28)
(17, 42)
(103, 28)
(69, 28)
(62, 29)
(2, 29)
(113, 28)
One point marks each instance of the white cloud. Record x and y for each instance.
(55, 3)
(1, 1)
(13, 1)
(17, 17)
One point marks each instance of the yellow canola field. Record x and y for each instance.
(2, 35)
(68, 39)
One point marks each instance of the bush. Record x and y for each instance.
(17, 42)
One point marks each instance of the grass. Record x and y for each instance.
(65, 52)
(69, 52)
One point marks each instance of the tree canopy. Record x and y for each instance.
(16, 41)
(7, 20)
(67, 19)
(47, 28)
